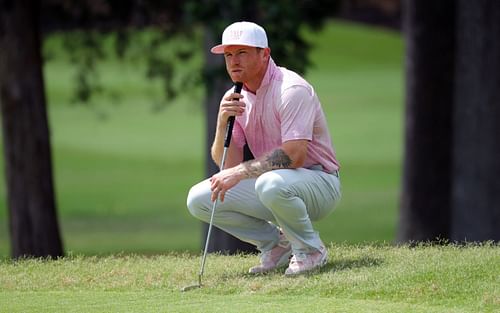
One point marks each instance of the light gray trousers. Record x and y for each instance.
(254, 208)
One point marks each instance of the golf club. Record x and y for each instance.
(227, 141)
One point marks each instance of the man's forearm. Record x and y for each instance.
(277, 159)
(218, 145)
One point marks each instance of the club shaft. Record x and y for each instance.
(210, 225)
(227, 140)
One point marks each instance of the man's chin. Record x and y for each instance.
(237, 77)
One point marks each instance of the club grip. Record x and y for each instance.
(230, 120)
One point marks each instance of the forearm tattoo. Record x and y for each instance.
(277, 159)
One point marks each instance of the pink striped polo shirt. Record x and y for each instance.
(285, 107)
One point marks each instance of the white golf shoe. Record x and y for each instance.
(302, 263)
(277, 257)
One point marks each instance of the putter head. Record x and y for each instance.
(191, 287)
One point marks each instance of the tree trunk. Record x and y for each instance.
(33, 222)
(216, 84)
(425, 202)
(476, 167)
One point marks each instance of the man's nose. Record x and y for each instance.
(235, 60)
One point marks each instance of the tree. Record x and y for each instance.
(452, 156)
(33, 223)
(425, 201)
(476, 122)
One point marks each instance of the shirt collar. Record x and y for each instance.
(271, 69)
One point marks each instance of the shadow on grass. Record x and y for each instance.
(349, 264)
(335, 266)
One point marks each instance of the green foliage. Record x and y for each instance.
(365, 278)
(179, 27)
(281, 19)
(172, 60)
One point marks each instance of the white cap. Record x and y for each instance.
(244, 34)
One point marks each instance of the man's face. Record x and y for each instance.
(244, 63)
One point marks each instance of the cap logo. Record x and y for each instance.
(235, 34)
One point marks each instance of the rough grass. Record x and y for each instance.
(363, 278)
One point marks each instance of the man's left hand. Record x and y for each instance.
(223, 181)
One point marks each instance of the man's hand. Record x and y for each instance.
(228, 107)
(232, 105)
(223, 181)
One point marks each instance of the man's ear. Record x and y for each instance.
(267, 52)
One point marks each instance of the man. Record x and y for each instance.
(270, 201)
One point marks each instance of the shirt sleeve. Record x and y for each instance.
(297, 113)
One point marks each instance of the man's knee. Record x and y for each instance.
(270, 187)
(197, 202)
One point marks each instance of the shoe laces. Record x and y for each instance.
(298, 258)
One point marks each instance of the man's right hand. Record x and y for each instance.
(230, 107)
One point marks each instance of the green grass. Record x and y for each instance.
(122, 171)
(363, 278)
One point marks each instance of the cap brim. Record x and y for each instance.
(219, 49)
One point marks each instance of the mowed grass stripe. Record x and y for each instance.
(157, 301)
